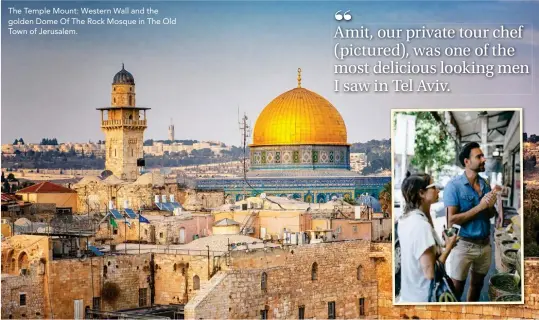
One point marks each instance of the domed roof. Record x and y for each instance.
(299, 117)
(123, 77)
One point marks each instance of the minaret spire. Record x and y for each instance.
(299, 77)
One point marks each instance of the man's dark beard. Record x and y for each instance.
(480, 168)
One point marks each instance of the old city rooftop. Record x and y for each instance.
(46, 187)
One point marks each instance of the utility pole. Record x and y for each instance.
(207, 246)
(125, 235)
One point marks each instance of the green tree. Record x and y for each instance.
(16, 142)
(434, 148)
(6, 187)
(385, 198)
(21, 141)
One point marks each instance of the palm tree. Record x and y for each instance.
(385, 198)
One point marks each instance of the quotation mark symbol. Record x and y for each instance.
(346, 16)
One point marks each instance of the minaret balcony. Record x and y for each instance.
(123, 123)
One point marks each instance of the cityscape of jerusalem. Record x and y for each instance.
(294, 224)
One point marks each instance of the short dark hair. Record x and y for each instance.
(410, 189)
(465, 153)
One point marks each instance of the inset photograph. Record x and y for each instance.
(457, 206)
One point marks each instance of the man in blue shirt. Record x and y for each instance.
(469, 203)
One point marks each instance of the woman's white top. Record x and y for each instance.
(416, 235)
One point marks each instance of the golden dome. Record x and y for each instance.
(299, 117)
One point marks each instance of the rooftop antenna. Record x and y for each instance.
(245, 133)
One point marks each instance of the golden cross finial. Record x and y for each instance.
(299, 77)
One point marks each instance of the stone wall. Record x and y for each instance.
(234, 290)
(212, 300)
(32, 287)
(196, 200)
(386, 310)
(174, 276)
(72, 279)
(290, 284)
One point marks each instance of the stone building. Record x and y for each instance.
(96, 193)
(162, 230)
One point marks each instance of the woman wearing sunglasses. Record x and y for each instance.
(420, 245)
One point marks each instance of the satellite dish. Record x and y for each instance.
(263, 195)
(334, 198)
(105, 174)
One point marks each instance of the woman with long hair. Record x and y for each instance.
(419, 243)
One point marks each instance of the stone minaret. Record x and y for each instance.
(123, 125)
(171, 131)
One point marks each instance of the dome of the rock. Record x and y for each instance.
(299, 117)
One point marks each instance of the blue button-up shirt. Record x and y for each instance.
(460, 193)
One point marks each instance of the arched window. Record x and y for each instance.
(114, 100)
(23, 261)
(314, 271)
(10, 260)
(196, 283)
(359, 272)
(130, 100)
(264, 281)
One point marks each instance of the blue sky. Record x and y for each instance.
(224, 55)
